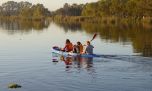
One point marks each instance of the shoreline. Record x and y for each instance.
(14, 18)
(83, 19)
(104, 20)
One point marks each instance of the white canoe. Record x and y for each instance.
(56, 50)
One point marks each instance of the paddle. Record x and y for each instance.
(94, 36)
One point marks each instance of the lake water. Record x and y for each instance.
(26, 58)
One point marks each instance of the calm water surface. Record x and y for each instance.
(26, 58)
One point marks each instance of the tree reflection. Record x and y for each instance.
(69, 26)
(139, 35)
(23, 26)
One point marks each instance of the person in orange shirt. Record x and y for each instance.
(68, 46)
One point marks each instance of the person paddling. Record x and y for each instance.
(89, 48)
(68, 46)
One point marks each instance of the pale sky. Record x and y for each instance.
(52, 4)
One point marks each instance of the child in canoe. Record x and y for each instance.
(78, 48)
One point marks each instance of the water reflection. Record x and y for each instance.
(138, 35)
(69, 26)
(23, 26)
(83, 62)
(78, 63)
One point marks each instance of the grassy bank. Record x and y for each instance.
(104, 20)
(146, 21)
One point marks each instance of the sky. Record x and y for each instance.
(52, 4)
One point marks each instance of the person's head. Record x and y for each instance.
(78, 43)
(74, 46)
(88, 42)
(67, 41)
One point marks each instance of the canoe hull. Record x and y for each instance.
(57, 51)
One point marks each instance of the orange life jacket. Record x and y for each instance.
(68, 47)
(81, 48)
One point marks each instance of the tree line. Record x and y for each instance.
(23, 9)
(119, 8)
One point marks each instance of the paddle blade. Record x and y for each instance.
(94, 36)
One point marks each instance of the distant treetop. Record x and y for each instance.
(23, 9)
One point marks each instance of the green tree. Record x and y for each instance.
(26, 13)
(119, 8)
(23, 9)
(38, 10)
(70, 10)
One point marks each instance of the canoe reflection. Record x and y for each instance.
(77, 62)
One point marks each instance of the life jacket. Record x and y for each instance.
(68, 47)
(80, 48)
